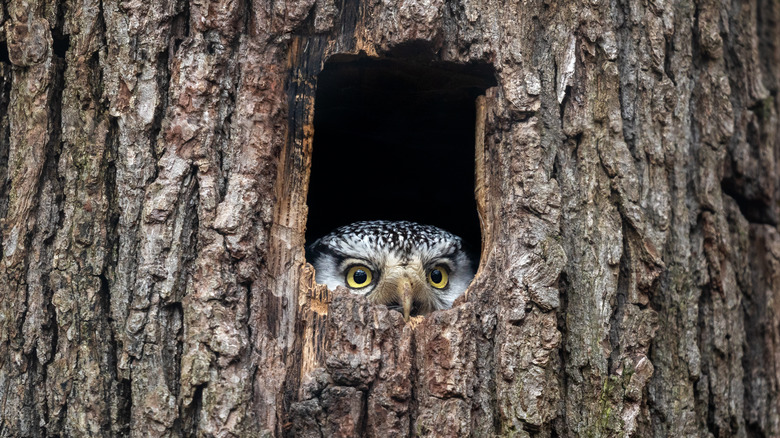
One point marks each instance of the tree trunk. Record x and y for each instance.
(154, 167)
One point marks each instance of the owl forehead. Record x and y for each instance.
(401, 238)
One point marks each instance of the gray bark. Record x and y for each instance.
(154, 164)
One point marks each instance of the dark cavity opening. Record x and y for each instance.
(4, 56)
(61, 45)
(395, 140)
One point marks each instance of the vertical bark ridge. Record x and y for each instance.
(83, 249)
(750, 178)
(30, 214)
(5, 134)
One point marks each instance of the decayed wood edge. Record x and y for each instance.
(290, 206)
(481, 190)
(314, 301)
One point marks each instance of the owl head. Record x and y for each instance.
(410, 267)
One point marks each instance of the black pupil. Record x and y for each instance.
(436, 276)
(360, 276)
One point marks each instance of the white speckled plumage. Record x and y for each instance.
(396, 253)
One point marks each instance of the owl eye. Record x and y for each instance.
(438, 277)
(358, 277)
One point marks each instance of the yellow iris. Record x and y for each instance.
(358, 277)
(438, 277)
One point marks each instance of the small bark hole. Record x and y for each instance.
(4, 57)
(395, 140)
(61, 46)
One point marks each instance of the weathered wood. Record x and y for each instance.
(154, 168)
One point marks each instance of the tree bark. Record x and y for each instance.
(154, 165)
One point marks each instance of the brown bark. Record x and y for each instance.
(154, 167)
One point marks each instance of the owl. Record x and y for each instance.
(406, 266)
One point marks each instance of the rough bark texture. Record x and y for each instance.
(154, 161)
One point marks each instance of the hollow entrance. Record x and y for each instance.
(395, 140)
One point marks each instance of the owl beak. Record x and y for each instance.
(407, 297)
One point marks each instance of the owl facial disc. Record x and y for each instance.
(406, 266)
